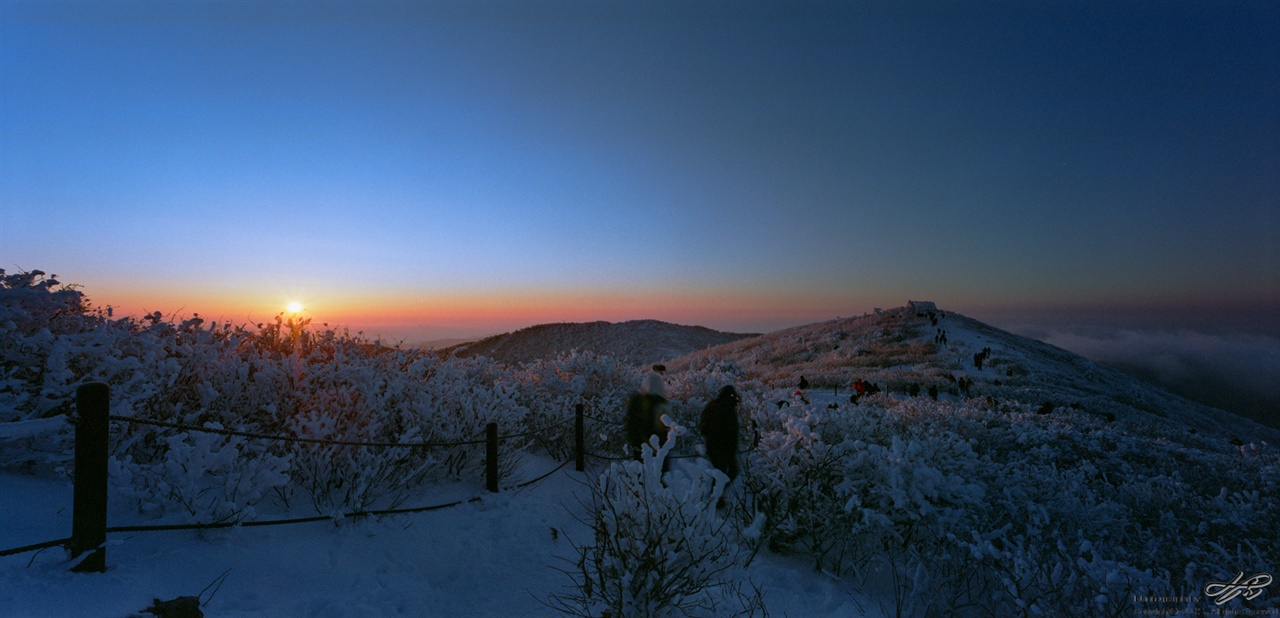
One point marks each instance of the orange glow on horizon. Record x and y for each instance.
(482, 311)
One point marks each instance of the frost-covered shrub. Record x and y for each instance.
(551, 388)
(843, 484)
(999, 510)
(282, 378)
(1109, 513)
(660, 547)
(41, 326)
(792, 479)
(210, 477)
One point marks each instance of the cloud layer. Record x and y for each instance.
(1236, 372)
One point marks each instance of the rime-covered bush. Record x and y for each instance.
(551, 388)
(999, 510)
(282, 378)
(287, 380)
(842, 484)
(210, 477)
(42, 323)
(659, 548)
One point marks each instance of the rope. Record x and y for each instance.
(276, 522)
(247, 434)
(247, 524)
(633, 458)
(279, 522)
(299, 520)
(295, 520)
(26, 548)
(302, 520)
(607, 458)
(600, 420)
(590, 454)
(216, 525)
(533, 431)
(553, 471)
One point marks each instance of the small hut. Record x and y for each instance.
(919, 307)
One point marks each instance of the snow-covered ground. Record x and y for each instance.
(493, 557)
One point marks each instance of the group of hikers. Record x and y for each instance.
(718, 423)
(981, 356)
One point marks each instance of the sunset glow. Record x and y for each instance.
(420, 170)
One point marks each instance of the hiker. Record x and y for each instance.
(719, 427)
(859, 387)
(645, 408)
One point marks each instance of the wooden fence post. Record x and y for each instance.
(579, 440)
(89, 498)
(491, 456)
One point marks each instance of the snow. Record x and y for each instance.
(32, 428)
(492, 557)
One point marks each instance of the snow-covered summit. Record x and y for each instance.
(902, 347)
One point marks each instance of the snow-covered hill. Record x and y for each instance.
(898, 348)
(637, 342)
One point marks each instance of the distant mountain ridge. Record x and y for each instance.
(639, 342)
(900, 347)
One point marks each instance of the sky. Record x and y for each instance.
(439, 169)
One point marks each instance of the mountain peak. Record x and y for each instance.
(639, 342)
(909, 348)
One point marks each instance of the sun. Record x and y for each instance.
(293, 307)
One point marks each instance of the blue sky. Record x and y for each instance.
(436, 169)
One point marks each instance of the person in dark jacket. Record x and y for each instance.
(643, 419)
(719, 426)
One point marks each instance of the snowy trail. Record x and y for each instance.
(485, 558)
(488, 558)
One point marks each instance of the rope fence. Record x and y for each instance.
(89, 509)
(314, 518)
(89, 501)
(34, 546)
(249, 434)
(326, 441)
(277, 522)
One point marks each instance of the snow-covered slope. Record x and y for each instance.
(898, 348)
(639, 342)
